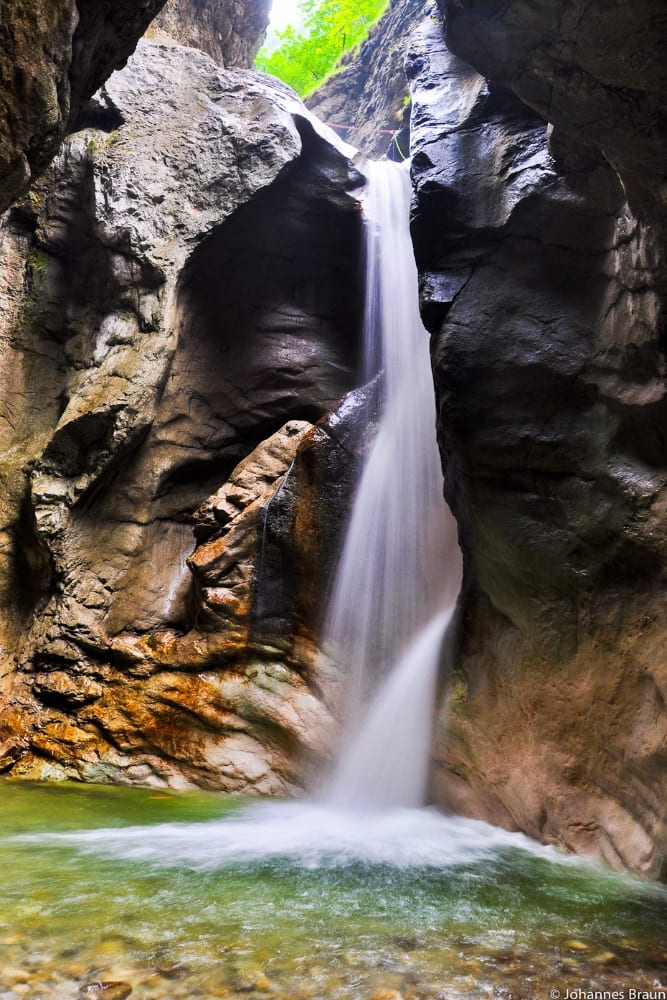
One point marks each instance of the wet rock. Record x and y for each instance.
(105, 991)
(168, 264)
(171, 972)
(594, 71)
(543, 292)
(233, 520)
(605, 958)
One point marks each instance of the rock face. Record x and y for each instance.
(596, 70)
(230, 31)
(367, 100)
(55, 54)
(542, 290)
(176, 311)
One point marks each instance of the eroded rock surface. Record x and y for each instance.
(596, 70)
(55, 54)
(542, 291)
(165, 310)
(230, 31)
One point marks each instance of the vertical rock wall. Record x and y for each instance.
(55, 54)
(230, 31)
(543, 291)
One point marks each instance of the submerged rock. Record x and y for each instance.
(106, 991)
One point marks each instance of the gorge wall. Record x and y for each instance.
(542, 276)
(54, 56)
(230, 31)
(538, 225)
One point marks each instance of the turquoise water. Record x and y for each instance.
(201, 895)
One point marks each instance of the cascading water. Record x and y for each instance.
(400, 569)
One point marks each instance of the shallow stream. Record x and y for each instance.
(183, 895)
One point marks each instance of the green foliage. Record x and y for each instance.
(98, 142)
(38, 263)
(306, 56)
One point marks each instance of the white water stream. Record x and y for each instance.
(399, 573)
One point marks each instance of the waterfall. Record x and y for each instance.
(399, 571)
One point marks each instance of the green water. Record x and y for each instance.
(187, 918)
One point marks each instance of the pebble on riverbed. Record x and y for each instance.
(105, 991)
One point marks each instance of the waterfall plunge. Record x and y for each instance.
(399, 572)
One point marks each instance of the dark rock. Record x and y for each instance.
(595, 70)
(304, 524)
(543, 293)
(54, 56)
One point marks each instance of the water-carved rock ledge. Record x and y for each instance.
(165, 282)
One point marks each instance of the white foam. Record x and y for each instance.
(307, 835)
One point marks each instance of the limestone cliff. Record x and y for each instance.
(543, 291)
(181, 290)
